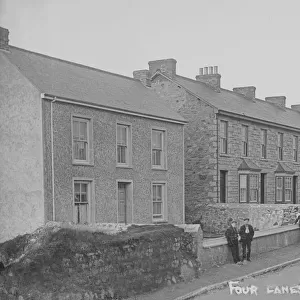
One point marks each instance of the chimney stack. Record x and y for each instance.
(247, 91)
(4, 39)
(277, 100)
(296, 107)
(165, 66)
(210, 77)
(143, 76)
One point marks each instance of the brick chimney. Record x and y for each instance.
(247, 91)
(4, 39)
(296, 107)
(165, 66)
(211, 77)
(277, 100)
(143, 76)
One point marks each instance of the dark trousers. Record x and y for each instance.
(235, 252)
(246, 246)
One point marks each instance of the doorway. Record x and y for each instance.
(295, 190)
(262, 187)
(122, 202)
(223, 186)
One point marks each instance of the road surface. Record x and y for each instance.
(283, 284)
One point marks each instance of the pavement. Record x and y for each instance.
(212, 278)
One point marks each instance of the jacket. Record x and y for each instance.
(231, 235)
(246, 236)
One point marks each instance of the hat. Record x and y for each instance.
(233, 221)
(246, 219)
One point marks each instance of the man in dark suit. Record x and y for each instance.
(246, 233)
(231, 235)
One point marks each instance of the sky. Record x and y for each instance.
(253, 42)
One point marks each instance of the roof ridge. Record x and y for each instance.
(74, 63)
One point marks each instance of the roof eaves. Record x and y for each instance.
(242, 116)
(179, 84)
(109, 108)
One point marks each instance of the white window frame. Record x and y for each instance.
(163, 165)
(224, 137)
(128, 155)
(90, 151)
(248, 188)
(90, 199)
(285, 179)
(164, 214)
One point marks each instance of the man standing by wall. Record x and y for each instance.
(231, 235)
(246, 232)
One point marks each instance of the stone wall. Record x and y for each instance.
(215, 217)
(118, 266)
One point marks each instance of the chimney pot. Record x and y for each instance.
(4, 33)
(211, 70)
(205, 70)
(212, 79)
(216, 69)
(201, 71)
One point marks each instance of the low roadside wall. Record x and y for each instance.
(216, 251)
(215, 218)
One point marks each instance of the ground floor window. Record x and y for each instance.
(81, 202)
(284, 188)
(158, 201)
(248, 188)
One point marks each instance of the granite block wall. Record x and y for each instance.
(21, 154)
(104, 172)
(215, 217)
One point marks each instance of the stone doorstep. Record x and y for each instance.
(223, 284)
(208, 243)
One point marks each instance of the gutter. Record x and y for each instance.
(112, 109)
(52, 158)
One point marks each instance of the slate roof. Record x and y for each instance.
(283, 168)
(78, 82)
(234, 103)
(248, 165)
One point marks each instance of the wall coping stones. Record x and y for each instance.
(189, 227)
(208, 243)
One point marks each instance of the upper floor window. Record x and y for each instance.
(295, 148)
(82, 140)
(280, 145)
(158, 148)
(224, 137)
(123, 144)
(264, 143)
(245, 140)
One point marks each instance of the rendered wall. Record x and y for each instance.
(21, 152)
(105, 173)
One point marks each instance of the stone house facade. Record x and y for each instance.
(83, 145)
(238, 149)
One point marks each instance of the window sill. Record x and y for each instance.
(159, 222)
(82, 163)
(159, 169)
(124, 167)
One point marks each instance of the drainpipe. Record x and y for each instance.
(52, 159)
(218, 196)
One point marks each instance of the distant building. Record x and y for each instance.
(238, 149)
(83, 145)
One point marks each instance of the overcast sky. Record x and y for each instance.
(254, 42)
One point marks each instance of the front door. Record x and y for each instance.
(121, 202)
(223, 191)
(262, 188)
(295, 191)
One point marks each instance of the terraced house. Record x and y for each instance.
(238, 149)
(82, 145)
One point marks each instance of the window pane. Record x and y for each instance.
(75, 129)
(122, 135)
(159, 192)
(156, 157)
(83, 188)
(122, 154)
(157, 208)
(243, 181)
(83, 131)
(77, 187)
(243, 195)
(157, 139)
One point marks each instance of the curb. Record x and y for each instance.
(223, 284)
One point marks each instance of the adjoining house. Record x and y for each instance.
(83, 145)
(238, 149)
